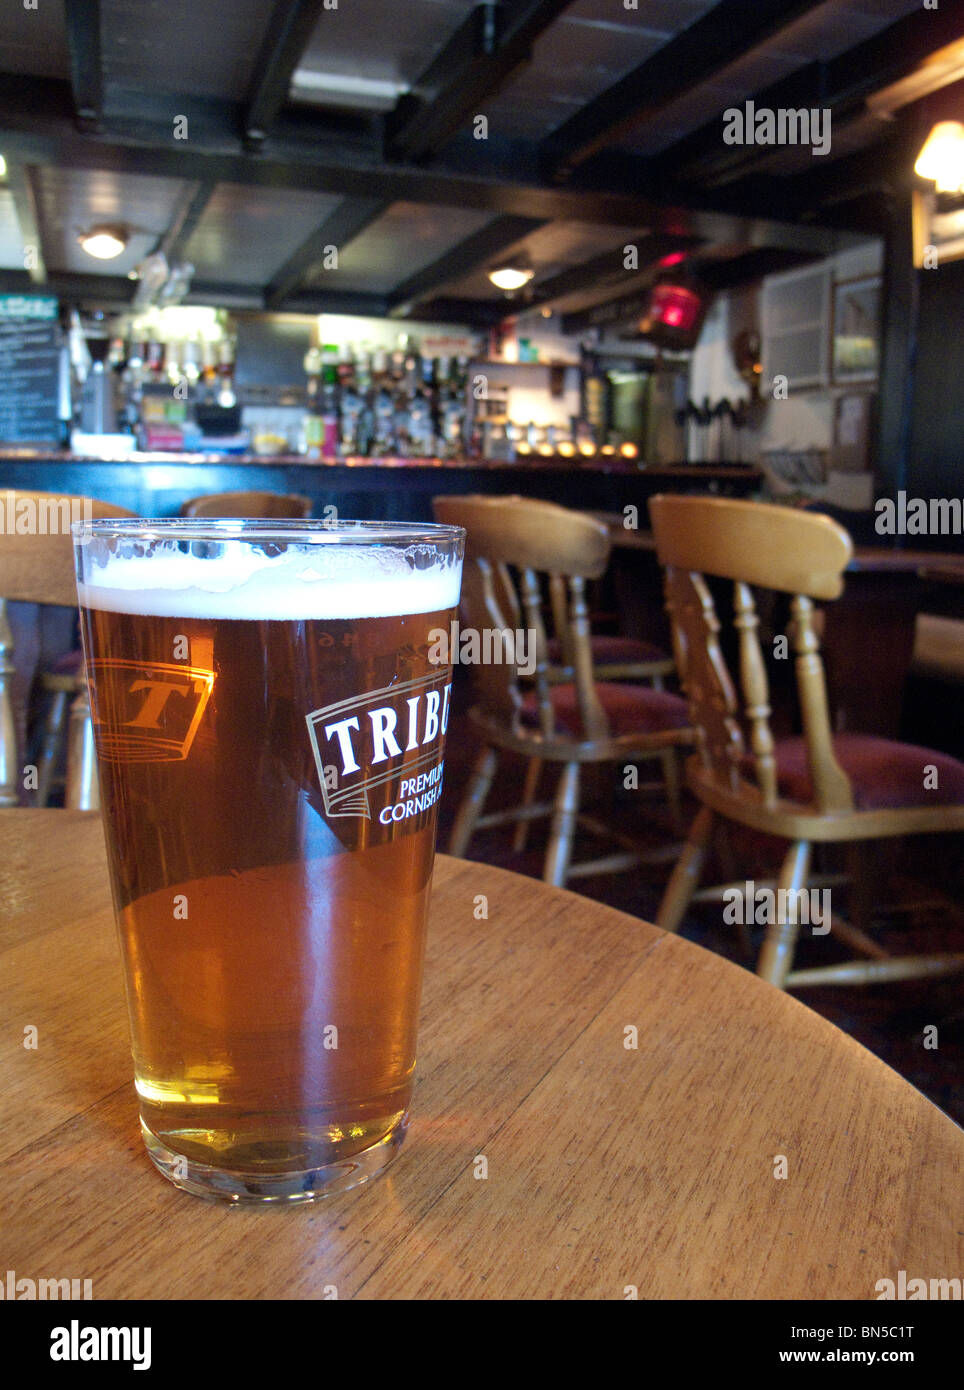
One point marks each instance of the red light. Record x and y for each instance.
(674, 258)
(675, 307)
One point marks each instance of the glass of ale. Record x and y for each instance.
(269, 714)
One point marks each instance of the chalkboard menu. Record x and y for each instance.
(29, 369)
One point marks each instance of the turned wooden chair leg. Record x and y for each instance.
(473, 801)
(53, 737)
(533, 772)
(776, 956)
(671, 784)
(684, 879)
(860, 871)
(81, 792)
(563, 827)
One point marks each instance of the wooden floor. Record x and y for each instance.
(889, 1020)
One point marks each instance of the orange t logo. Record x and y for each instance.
(150, 711)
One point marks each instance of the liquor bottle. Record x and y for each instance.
(421, 432)
(401, 408)
(209, 362)
(399, 358)
(363, 372)
(383, 442)
(329, 400)
(346, 367)
(226, 395)
(350, 417)
(314, 425)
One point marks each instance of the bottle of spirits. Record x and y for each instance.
(421, 434)
(350, 417)
(384, 422)
(329, 400)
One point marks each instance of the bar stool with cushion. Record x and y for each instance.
(250, 505)
(513, 545)
(39, 568)
(818, 788)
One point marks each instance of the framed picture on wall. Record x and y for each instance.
(938, 228)
(856, 330)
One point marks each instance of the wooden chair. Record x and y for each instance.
(513, 546)
(248, 504)
(818, 788)
(39, 568)
(614, 658)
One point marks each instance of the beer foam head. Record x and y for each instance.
(327, 580)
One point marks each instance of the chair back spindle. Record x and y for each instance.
(38, 567)
(520, 553)
(782, 549)
(704, 675)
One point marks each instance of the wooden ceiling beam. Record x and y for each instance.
(843, 84)
(694, 56)
(484, 245)
(486, 50)
(186, 216)
(312, 155)
(287, 36)
(342, 226)
(21, 183)
(609, 270)
(86, 67)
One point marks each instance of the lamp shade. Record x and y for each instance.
(942, 157)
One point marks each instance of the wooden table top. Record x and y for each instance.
(607, 1167)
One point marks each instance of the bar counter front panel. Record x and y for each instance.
(367, 489)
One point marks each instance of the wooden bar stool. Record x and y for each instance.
(818, 788)
(39, 568)
(250, 505)
(514, 548)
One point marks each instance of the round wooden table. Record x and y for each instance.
(608, 1166)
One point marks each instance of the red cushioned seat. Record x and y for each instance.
(884, 774)
(630, 709)
(606, 650)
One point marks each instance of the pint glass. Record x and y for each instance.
(269, 713)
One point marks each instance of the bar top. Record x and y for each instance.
(555, 462)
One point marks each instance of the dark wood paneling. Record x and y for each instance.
(935, 462)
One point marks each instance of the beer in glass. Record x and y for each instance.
(269, 717)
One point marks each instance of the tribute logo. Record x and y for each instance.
(369, 728)
(146, 713)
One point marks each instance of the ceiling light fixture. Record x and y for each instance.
(510, 277)
(104, 242)
(942, 158)
(3, 167)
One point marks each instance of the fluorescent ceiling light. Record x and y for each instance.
(104, 242)
(3, 167)
(346, 90)
(510, 277)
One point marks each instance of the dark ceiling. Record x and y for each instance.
(246, 139)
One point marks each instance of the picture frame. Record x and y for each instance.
(855, 330)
